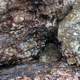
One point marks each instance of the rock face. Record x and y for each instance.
(26, 26)
(69, 32)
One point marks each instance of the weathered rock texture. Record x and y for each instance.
(69, 33)
(27, 25)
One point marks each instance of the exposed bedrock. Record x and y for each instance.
(27, 26)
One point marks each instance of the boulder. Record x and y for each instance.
(69, 32)
(28, 26)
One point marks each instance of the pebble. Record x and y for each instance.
(71, 61)
(24, 78)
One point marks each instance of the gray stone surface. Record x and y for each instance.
(69, 32)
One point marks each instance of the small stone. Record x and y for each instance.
(27, 54)
(48, 77)
(71, 61)
(24, 78)
(18, 19)
(10, 51)
(75, 34)
(3, 5)
(53, 71)
(39, 77)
